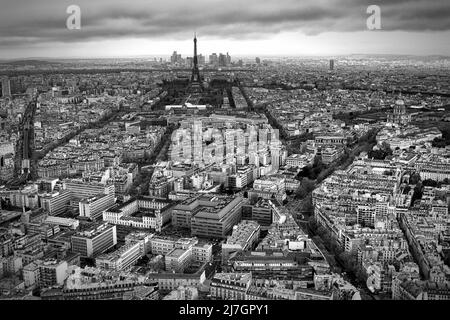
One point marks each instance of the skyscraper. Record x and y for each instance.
(213, 59)
(175, 58)
(201, 60)
(222, 60)
(332, 64)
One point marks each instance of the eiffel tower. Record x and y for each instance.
(196, 80)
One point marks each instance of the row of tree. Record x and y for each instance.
(381, 153)
(347, 260)
(444, 141)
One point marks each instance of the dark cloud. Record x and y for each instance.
(45, 20)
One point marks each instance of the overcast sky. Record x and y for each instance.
(117, 28)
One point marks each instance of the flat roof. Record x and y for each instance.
(176, 253)
(144, 213)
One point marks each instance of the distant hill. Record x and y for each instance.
(28, 63)
(400, 57)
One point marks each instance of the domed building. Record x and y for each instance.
(399, 115)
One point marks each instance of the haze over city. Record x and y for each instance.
(116, 29)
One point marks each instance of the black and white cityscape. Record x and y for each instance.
(225, 150)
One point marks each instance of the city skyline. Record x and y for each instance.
(256, 152)
(293, 28)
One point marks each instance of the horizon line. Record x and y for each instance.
(248, 55)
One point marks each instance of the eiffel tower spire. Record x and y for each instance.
(195, 72)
